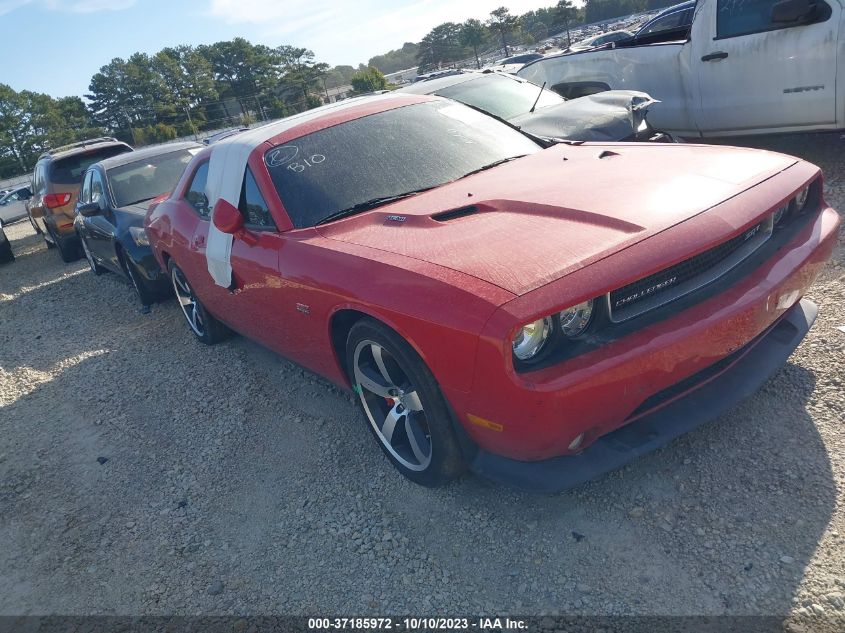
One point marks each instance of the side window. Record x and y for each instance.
(743, 17)
(255, 210)
(85, 192)
(196, 191)
(672, 21)
(97, 189)
(38, 178)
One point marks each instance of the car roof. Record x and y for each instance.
(319, 118)
(431, 86)
(683, 6)
(146, 152)
(82, 147)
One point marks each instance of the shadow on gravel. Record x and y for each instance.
(724, 520)
(24, 240)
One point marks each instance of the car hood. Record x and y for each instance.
(526, 223)
(613, 115)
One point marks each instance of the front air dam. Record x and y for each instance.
(747, 370)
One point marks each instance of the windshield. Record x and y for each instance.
(387, 154)
(504, 97)
(148, 178)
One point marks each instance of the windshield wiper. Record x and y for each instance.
(491, 165)
(369, 204)
(129, 204)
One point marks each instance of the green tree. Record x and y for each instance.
(565, 12)
(441, 46)
(242, 70)
(369, 80)
(339, 76)
(396, 60)
(31, 123)
(473, 34)
(299, 70)
(502, 22)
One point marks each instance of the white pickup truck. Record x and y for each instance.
(743, 67)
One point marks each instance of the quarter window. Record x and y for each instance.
(196, 191)
(252, 205)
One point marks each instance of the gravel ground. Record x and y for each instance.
(144, 473)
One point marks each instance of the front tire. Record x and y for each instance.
(403, 405)
(92, 264)
(204, 326)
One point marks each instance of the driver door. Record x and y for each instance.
(758, 73)
(101, 229)
(250, 305)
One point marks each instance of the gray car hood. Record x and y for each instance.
(613, 115)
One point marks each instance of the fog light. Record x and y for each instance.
(781, 212)
(576, 442)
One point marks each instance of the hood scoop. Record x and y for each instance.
(455, 214)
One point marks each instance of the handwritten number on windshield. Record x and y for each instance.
(298, 167)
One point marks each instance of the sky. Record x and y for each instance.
(55, 46)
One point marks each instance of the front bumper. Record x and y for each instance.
(738, 377)
(537, 415)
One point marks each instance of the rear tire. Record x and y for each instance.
(204, 326)
(403, 405)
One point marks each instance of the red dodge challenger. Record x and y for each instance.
(538, 312)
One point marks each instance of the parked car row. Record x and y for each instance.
(534, 309)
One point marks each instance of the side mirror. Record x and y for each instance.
(227, 217)
(89, 209)
(791, 11)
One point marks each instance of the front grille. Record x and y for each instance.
(691, 274)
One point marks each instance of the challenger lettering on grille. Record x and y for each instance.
(645, 292)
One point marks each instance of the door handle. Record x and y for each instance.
(198, 242)
(714, 56)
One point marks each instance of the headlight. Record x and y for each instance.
(575, 320)
(139, 235)
(801, 199)
(531, 338)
